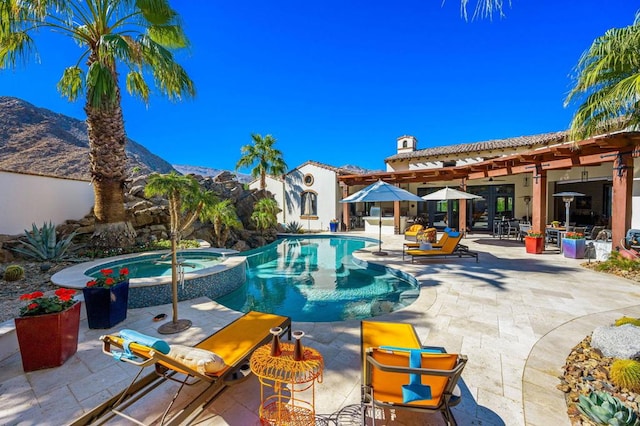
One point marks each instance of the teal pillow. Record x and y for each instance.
(132, 336)
(415, 390)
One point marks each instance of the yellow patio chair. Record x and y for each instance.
(451, 247)
(233, 343)
(413, 231)
(415, 246)
(407, 375)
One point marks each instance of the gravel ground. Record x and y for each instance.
(34, 280)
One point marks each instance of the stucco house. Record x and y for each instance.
(309, 195)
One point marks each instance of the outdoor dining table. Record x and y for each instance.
(557, 233)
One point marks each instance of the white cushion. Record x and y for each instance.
(425, 246)
(201, 360)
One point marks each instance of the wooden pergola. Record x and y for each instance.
(618, 148)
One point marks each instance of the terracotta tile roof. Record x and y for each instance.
(534, 141)
(338, 170)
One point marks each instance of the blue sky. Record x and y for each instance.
(338, 82)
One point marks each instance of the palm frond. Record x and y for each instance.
(137, 86)
(15, 48)
(170, 36)
(157, 12)
(101, 84)
(71, 85)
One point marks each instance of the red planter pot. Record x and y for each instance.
(106, 307)
(534, 245)
(48, 340)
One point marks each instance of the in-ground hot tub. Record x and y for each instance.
(204, 272)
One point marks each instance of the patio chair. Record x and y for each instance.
(451, 247)
(233, 343)
(407, 375)
(412, 231)
(437, 245)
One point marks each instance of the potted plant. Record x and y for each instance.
(534, 242)
(106, 298)
(573, 244)
(47, 329)
(333, 225)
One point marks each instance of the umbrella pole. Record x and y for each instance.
(380, 252)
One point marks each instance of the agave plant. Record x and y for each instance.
(42, 244)
(293, 228)
(605, 409)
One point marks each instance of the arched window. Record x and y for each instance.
(309, 204)
(404, 143)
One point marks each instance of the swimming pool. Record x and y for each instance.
(315, 279)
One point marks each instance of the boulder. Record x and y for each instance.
(618, 342)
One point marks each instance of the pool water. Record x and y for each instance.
(317, 280)
(158, 265)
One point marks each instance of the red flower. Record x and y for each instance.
(25, 297)
(124, 271)
(106, 272)
(36, 294)
(91, 283)
(32, 306)
(109, 281)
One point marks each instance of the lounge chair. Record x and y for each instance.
(413, 231)
(416, 245)
(407, 375)
(234, 344)
(451, 247)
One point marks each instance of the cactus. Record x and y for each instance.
(605, 409)
(13, 273)
(625, 373)
(628, 320)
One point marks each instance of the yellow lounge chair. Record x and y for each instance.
(234, 344)
(413, 231)
(407, 375)
(415, 246)
(451, 247)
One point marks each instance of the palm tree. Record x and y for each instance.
(265, 213)
(137, 35)
(607, 83)
(186, 203)
(224, 218)
(267, 159)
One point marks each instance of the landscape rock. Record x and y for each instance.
(618, 342)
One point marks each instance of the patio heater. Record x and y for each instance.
(567, 197)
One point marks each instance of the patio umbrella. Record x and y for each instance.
(379, 192)
(449, 194)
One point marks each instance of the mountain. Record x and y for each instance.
(207, 171)
(357, 170)
(39, 141)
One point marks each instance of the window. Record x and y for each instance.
(404, 143)
(309, 204)
(308, 179)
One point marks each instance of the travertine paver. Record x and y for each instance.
(516, 316)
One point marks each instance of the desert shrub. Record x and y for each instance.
(616, 262)
(628, 320)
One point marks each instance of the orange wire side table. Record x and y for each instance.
(281, 378)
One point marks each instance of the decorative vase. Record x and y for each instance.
(298, 350)
(333, 227)
(275, 341)
(48, 340)
(534, 245)
(573, 249)
(106, 306)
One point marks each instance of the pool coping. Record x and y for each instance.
(75, 276)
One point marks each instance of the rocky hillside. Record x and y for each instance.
(40, 141)
(209, 172)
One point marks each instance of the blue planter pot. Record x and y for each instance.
(573, 249)
(106, 307)
(333, 227)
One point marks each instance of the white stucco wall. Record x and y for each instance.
(324, 184)
(27, 199)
